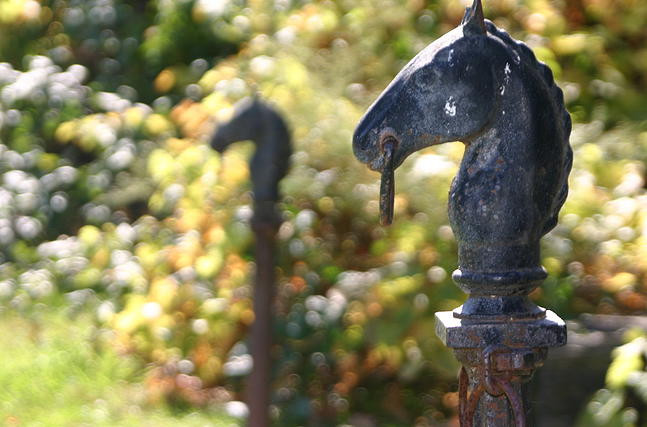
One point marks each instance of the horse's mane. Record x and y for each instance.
(563, 117)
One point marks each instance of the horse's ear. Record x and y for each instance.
(473, 21)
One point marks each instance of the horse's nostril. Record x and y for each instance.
(361, 139)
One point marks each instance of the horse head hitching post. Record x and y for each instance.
(256, 121)
(477, 85)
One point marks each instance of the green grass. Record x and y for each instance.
(52, 375)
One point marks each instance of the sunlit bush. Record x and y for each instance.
(624, 399)
(111, 196)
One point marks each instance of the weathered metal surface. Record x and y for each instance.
(494, 401)
(477, 85)
(465, 334)
(489, 91)
(256, 121)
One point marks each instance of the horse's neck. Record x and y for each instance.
(509, 137)
(269, 161)
(273, 139)
(272, 146)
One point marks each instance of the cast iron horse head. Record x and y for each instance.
(477, 85)
(256, 121)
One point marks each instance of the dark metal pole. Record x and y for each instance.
(265, 229)
(257, 121)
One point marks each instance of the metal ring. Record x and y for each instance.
(516, 403)
(491, 384)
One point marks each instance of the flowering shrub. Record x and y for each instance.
(111, 196)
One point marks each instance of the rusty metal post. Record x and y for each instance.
(477, 85)
(265, 225)
(499, 353)
(256, 121)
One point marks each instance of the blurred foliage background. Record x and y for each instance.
(114, 211)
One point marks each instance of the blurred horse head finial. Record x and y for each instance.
(255, 120)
